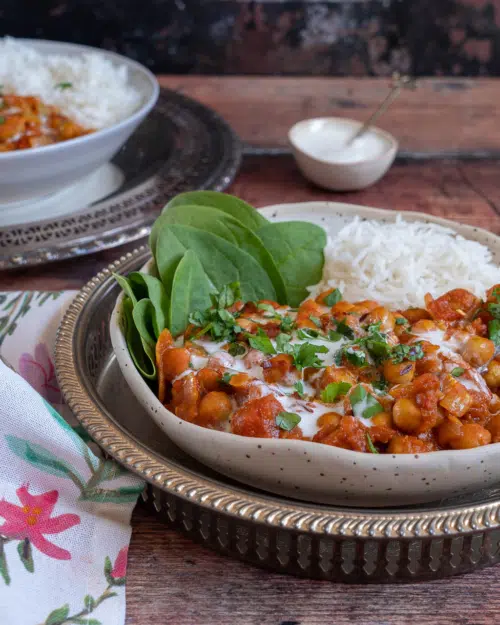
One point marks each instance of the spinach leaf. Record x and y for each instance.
(222, 261)
(142, 314)
(235, 207)
(143, 357)
(126, 287)
(227, 227)
(149, 287)
(190, 291)
(297, 249)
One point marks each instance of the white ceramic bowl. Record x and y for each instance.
(339, 176)
(36, 172)
(313, 471)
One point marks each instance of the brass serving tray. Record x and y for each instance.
(326, 542)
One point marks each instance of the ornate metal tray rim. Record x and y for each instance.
(233, 501)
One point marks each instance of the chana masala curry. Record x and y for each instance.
(352, 375)
(26, 122)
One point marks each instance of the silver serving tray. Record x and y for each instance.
(328, 542)
(182, 145)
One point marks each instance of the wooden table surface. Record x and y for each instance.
(170, 579)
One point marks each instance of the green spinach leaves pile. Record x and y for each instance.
(203, 241)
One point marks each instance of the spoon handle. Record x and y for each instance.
(399, 82)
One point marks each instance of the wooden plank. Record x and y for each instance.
(466, 192)
(442, 115)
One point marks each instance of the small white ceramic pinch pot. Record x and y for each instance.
(321, 152)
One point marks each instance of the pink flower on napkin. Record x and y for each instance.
(32, 520)
(120, 568)
(39, 371)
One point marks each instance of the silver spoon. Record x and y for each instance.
(399, 82)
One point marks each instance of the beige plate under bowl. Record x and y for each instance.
(311, 471)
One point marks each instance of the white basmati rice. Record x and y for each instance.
(100, 94)
(398, 263)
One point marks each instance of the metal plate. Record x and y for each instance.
(181, 146)
(327, 542)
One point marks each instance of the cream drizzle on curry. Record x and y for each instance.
(352, 375)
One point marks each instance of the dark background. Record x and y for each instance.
(308, 37)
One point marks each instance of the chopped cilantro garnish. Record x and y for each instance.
(267, 308)
(237, 349)
(307, 333)
(344, 329)
(226, 378)
(333, 298)
(363, 404)
(334, 336)
(401, 321)
(64, 85)
(316, 321)
(287, 324)
(334, 390)
(494, 309)
(2, 120)
(494, 331)
(305, 355)
(217, 322)
(407, 352)
(299, 388)
(229, 294)
(287, 420)
(381, 385)
(370, 444)
(283, 343)
(261, 342)
(457, 372)
(354, 355)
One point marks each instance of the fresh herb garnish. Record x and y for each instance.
(335, 337)
(286, 324)
(217, 322)
(457, 372)
(261, 342)
(64, 85)
(226, 378)
(267, 308)
(401, 321)
(307, 333)
(407, 352)
(2, 120)
(283, 343)
(333, 298)
(370, 444)
(344, 329)
(355, 355)
(227, 296)
(316, 321)
(494, 331)
(287, 420)
(363, 404)
(299, 389)
(237, 349)
(381, 385)
(305, 355)
(335, 389)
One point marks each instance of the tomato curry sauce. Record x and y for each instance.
(351, 375)
(26, 122)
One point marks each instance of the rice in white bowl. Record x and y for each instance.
(99, 94)
(397, 263)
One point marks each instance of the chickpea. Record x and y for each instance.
(401, 373)
(494, 427)
(478, 350)
(407, 445)
(492, 375)
(424, 325)
(330, 419)
(334, 374)
(457, 400)
(364, 307)
(383, 316)
(448, 431)
(473, 435)
(340, 309)
(406, 415)
(209, 379)
(174, 361)
(277, 368)
(214, 407)
(415, 314)
(382, 419)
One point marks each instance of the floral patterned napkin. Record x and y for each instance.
(64, 510)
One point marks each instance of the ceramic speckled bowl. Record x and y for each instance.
(311, 471)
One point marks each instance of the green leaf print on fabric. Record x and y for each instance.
(26, 554)
(14, 306)
(58, 617)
